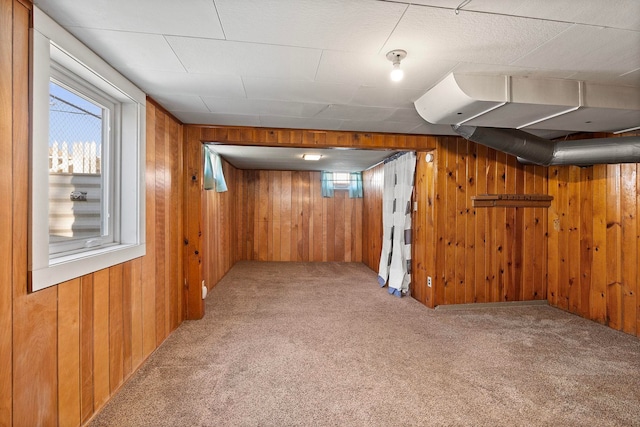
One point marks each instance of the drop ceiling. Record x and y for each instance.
(286, 158)
(320, 64)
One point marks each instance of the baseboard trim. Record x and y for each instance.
(506, 304)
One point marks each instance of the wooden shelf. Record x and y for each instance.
(511, 200)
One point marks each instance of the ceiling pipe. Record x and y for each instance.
(531, 149)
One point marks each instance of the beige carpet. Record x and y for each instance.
(320, 344)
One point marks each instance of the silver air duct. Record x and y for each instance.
(531, 149)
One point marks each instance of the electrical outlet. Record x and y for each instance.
(429, 281)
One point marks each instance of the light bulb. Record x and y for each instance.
(397, 74)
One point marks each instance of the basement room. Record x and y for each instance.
(319, 212)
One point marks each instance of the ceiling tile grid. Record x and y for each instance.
(320, 64)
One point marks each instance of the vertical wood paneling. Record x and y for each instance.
(614, 259)
(101, 365)
(69, 353)
(35, 380)
(470, 224)
(629, 246)
(86, 349)
(482, 254)
(585, 215)
(423, 256)
(149, 260)
(480, 278)
(372, 185)
(116, 334)
(598, 294)
(136, 315)
(221, 240)
(160, 227)
(6, 213)
(65, 349)
(600, 232)
(292, 222)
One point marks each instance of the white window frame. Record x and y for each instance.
(110, 139)
(51, 44)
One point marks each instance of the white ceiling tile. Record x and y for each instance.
(246, 59)
(376, 126)
(187, 103)
(629, 79)
(183, 83)
(439, 34)
(262, 107)
(409, 115)
(588, 49)
(420, 72)
(595, 12)
(216, 119)
(299, 123)
(125, 49)
(355, 25)
(386, 97)
(593, 120)
(510, 70)
(431, 129)
(197, 18)
(299, 91)
(355, 112)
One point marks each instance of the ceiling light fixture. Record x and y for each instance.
(311, 157)
(395, 56)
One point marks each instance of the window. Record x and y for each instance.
(341, 180)
(351, 181)
(87, 139)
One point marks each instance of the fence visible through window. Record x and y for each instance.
(75, 166)
(75, 133)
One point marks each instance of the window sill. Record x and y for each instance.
(71, 266)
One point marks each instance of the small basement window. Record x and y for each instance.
(87, 141)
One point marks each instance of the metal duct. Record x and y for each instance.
(531, 149)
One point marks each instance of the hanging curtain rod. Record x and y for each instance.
(395, 156)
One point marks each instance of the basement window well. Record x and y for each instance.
(87, 140)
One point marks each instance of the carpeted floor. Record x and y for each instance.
(320, 344)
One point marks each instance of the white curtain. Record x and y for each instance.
(395, 259)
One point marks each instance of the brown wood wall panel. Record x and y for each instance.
(219, 235)
(423, 257)
(372, 188)
(593, 243)
(66, 349)
(477, 254)
(6, 213)
(291, 221)
(69, 353)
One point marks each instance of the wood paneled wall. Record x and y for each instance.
(285, 218)
(424, 244)
(222, 238)
(268, 203)
(483, 254)
(66, 349)
(594, 242)
(372, 188)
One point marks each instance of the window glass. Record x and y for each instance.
(341, 180)
(78, 203)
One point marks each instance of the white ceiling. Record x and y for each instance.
(288, 158)
(320, 64)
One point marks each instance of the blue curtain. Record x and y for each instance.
(355, 185)
(326, 178)
(213, 173)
